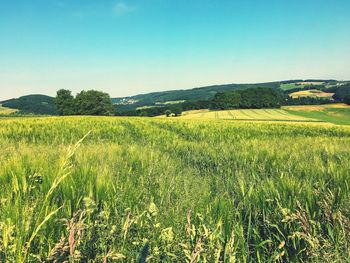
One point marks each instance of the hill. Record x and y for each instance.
(155, 99)
(32, 104)
(44, 105)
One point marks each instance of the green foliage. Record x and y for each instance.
(255, 98)
(64, 102)
(89, 102)
(196, 94)
(32, 104)
(173, 191)
(93, 102)
(341, 92)
(168, 113)
(347, 99)
(307, 101)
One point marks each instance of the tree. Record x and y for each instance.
(341, 92)
(227, 100)
(64, 102)
(347, 99)
(177, 111)
(94, 102)
(168, 113)
(255, 98)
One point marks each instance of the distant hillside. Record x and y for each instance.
(203, 93)
(32, 104)
(44, 105)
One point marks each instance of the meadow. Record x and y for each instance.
(6, 111)
(110, 189)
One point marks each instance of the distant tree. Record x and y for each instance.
(94, 102)
(168, 113)
(347, 99)
(177, 111)
(227, 100)
(64, 102)
(255, 98)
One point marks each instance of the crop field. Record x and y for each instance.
(246, 114)
(107, 189)
(313, 93)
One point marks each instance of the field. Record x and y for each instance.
(249, 114)
(109, 189)
(328, 113)
(314, 93)
(332, 113)
(288, 86)
(6, 111)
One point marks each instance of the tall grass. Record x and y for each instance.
(163, 191)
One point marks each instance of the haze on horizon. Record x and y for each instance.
(130, 47)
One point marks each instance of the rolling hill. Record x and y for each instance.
(44, 105)
(32, 104)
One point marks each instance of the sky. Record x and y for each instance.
(131, 47)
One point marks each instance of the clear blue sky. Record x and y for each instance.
(129, 47)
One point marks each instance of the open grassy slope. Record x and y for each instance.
(6, 111)
(329, 113)
(173, 191)
(333, 113)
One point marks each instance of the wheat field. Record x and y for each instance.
(106, 189)
(246, 114)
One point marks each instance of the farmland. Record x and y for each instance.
(332, 113)
(314, 93)
(246, 114)
(328, 113)
(167, 190)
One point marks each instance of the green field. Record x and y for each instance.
(165, 190)
(288, 86)
(332, 113)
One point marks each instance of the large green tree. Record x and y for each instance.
(94, 102)
(64, 102)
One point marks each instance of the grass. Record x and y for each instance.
(288, 86)
(103, 189)
(6, 111)
(333, 113)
